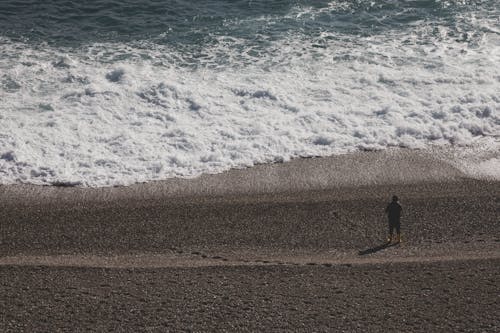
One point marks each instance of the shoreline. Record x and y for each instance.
(359, 169)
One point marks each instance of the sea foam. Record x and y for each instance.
(115, 113)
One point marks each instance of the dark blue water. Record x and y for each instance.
(197, 22)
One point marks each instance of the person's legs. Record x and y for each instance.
(398, 231)
(391, 230)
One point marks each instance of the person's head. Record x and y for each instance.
(394, 198)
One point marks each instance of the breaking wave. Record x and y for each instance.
(111, 101)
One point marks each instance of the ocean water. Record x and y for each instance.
(100, 93)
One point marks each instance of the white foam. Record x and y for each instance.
(480, 161)
(83, 116)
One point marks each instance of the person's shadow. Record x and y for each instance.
(377, 248)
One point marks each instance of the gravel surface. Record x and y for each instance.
(306, 261)
(456, 296)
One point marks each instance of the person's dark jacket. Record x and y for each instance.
(393, 211)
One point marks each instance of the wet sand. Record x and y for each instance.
(297, 254)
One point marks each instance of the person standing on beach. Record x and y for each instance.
(393, 212)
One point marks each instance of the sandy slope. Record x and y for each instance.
(342, 219)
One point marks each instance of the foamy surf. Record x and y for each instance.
(269, 87)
